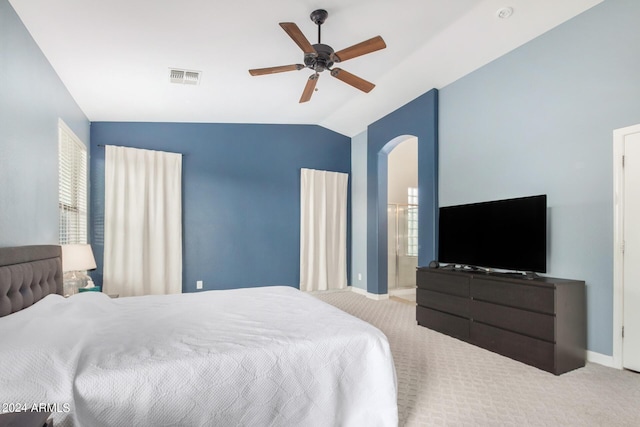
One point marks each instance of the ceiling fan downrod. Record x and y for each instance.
(318, 17)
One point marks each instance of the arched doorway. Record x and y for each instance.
(402, 217)
(417, 119)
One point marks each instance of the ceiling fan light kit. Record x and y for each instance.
(320, 57)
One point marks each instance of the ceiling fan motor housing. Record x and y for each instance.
(321, 60)
(319, 16)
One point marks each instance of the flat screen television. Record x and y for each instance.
(506, 234)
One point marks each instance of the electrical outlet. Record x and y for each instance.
(199, 284)
(359, 276)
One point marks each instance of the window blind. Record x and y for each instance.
(72, 194)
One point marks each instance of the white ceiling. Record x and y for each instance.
(114, 56)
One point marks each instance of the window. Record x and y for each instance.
(412, 221)
(412, 196)
(72, 190)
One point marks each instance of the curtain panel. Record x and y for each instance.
(323, 230)
(143, 222)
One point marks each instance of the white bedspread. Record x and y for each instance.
(270, 356)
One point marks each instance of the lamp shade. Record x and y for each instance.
(77, 258)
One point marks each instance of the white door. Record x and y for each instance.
(631, 281)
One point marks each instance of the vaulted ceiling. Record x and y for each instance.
(114, 56)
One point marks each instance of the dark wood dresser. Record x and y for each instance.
(541, 321)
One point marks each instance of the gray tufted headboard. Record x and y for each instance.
(28, 274)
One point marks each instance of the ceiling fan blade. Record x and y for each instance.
(297, 36)
(309, 87)
(352, 80)
(360, 49)
(272, 70)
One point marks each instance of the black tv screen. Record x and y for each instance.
(507, 234)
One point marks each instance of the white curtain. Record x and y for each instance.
(323, 230)
(142, 222)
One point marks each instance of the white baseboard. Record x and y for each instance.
(377, 297)
(600, 359)
(330, 291)
(358, 291)
(407, 291)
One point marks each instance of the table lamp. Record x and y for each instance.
(76, 259)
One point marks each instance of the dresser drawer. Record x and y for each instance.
(537, 325)
(443, 302)
(445, 283)
(457, 327)
(534, 298)
(532, 351)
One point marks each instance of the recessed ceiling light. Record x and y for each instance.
(504, 12)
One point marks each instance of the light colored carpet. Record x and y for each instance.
(446, 382)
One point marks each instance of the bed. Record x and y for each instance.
(270, 356)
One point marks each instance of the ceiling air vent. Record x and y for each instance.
(185, 77)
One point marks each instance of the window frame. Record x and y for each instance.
(412, 221)
(73, 187)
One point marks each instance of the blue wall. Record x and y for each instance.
(32, 99)
(540, 120)
(359, 211)
(417, 118)
(241, 194)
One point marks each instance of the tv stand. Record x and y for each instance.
(539, 321)
(472, 268)
(465, 267)
(529, 275)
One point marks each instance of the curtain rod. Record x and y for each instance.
(182, 154)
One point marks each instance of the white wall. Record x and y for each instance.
(402, 168)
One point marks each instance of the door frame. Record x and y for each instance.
(618, 238)
(381, 245)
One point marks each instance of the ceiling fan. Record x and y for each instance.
(320, 57)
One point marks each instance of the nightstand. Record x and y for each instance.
(26, 419)
(90, 289)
